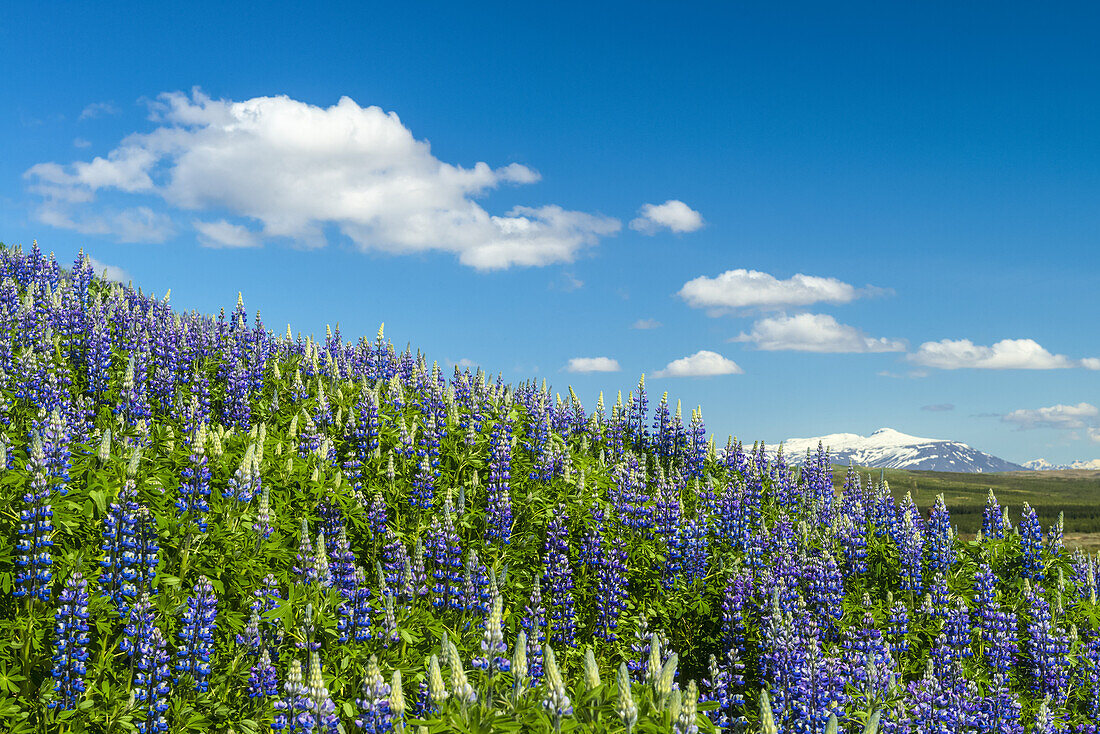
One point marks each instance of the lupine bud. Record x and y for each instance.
(591, 670)
(436, 689)
(460, 684)
(627, 709)
(519, 664)
(664, 684)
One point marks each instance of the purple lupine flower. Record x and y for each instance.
(499, 502)
(952, 647)
(910, 542)
(305, 568)
(853, 539)
(120, 557)
(996, 626)
(292, 711)
(374, 715)
(362, 438)
(377, 515)
(194, 486)
(196, 636)
(423, 490)
(342, 564)
(139, 623)
(33, 562)
(322, 709)
(152, 681)
(941, 553)
(611, 589)
(476, 594)
(241, 486)
(445, 552)
(70, 644)
(999, 712)
(559, 578)
(1031, 544)
(263, 679)
(825, 591)
(55, 447)
(1047, 649)
(263, 526)
(992, 519)
(698, 447)
(533, 623)
(897, 628)
(494, 651)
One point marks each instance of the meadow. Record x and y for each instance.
(211, 526)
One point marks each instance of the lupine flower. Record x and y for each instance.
(556, 700)
(321, 707)
(263, 526)
(461, 689)
(263, 681)
(499, 502)
(626, 709)
(33, 562)
(494, 651)
(70, 644)
(992, 519)
(292, 711)
(375, 715)
(559, 578)
(1031, 543)
(196, 636)
(194, 486)
(685, 722)
(436, 688)
(1046, 647)
(941, 554)
(611, 590)
(152, 682)
(119, 548)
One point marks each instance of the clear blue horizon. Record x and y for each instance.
(830, 219)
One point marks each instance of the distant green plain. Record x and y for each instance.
(1075, 493)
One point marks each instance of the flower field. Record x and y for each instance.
(209, 526)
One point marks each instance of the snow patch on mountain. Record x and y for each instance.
(890, 449)
(1044, 465)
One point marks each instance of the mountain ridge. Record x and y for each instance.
(888, 448)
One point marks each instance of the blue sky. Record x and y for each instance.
(856, 213)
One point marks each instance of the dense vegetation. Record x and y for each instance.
(208, 527)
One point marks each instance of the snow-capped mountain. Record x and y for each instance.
(890, 449)
(1044, 465)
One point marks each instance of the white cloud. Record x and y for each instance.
(81, 143)
(98, 109)
(700, 364)
(295, 168)
(938, 407)
(592, 364)
(137, 224)
(1054, 416)
(1094, 435)
(645, 324)
(742, 288)
(810, 332)
(1091, 363)
(225, 234)
(673, 214)
(109, 272)
(1007, 354)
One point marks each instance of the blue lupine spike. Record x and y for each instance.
(196, 635)
(70, 644)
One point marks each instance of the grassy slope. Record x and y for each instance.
(1076, 493)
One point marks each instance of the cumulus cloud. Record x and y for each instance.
(109, 272)
(592, 364)
(674, 215)
(700, 364)
(938, 407)
(740, 289)
(98, 109)
(1007, 354)
(1068, 417)
(810, 332)
(290, 169)
(225, 234)
(645, 324)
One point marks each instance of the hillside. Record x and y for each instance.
(211, 527)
